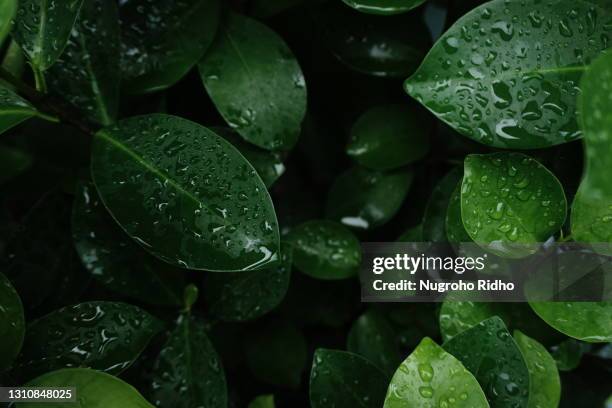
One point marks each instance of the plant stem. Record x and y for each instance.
(39, 77)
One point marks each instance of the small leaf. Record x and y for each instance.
(162, 41)
(13, 162)
(93, 390)
(263, 401)
(434, 218)
(325, 250)
(160, 187)
(106, 336)
(431, 374)
(13, 109)
(367, 199)
(413, 234)
(12, 323)
(8, 8)
(508, 201)
(488, 351)
(586, 321)
(256, 83)
(42, 29)
(489, 78)
(544, 382)
(188, 372)
(384, 7)
(455, 231)
(345, 380)
(568, 353)
(387, 137)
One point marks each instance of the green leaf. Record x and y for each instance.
(455, 231)
(384, 7)
(503, 76)
(488, 351)
(430, 374)
(372, 337)
(87, 73)
(13, 162)
(568, 353)
(387, 137)
(412, 234)
(367, 199)
(42, 29)
(115, 260)
(248, 295)
(345, 380)
(12, 323)
(13, 109)
(256, 83)
(263, 401)
(325, 250)
(508, 201)
(586, 321)
(185, 194)
(162, 41)
(434, 219)
(188, 372)
(8, 9)
(106, 336)
(591, 217)
(544, 382)
(93, 389)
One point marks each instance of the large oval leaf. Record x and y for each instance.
(162, 41)
(13, 109)
(345, 380)
(508, 201)
(185, 194)
(12, 323)
(93, 389)
(431, 375)
(488, 351)
(8, 8)
(106, 336)
(506, 74)
(384, 7)
(256, 83)
(587, 321)
(188, 371)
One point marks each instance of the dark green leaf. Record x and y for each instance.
(413, 234)
(106, 336)
(384, 7)
(263, 401)
(345, 380)
(13, 162)
(504, 76)
(8, 8)
(115, 260)
(387, 137)
(455, 231)
(12, 323)
(431, 374)
(185, 194)
(587, 321)
(434, 218)
(367, 199)
(13, 109)
(188, 371)
(325, 250)
(256, 83)
(568, 353)
(162, 41)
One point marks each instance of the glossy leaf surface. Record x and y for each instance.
(506, 74)
(8, 8)
(384, 7)
(154, 175)
(12, 323)
(13, 109)
(431, 375)
(586, 321)
(256, 83)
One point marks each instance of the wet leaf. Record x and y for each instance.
(263, 401)
(8, 8)
(508, 201)
(431, 374)
(115, 260)
(488, 351)
(384, 7)
(544, 382)
(188, 372)
(13, 162)
(568, 353)
(325, 250)
(94, 390)
(367, 199)
(13, 109)
(345, 380)
(12, 323)
(256, 83)
(161, 41)
(506, 74)
(106, 336)
(155, 175)
(434, 219)
(586, 321)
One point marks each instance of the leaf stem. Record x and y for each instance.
(39, 77)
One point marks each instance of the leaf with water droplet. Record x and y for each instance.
(106, 336)
(544, 382)
(115, 260)
(263, 401)
(384, 7)
(256, 83)
(345, 380)
(506, 74)
(13, 109)
(188, 371)
(93, 390)
(162, 41)
(430, 374)
(13, 162)
(8, 8)
(586, 321)
(12, 323)
(488, 351)
(510, 203)
(185, 194)
(325, 250)
(434, 219)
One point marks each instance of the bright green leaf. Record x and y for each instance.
(13, 162)
(12, 323)
(154, 175)
(13, 109)
(8, 8)
(384, 7)
(587, 321)
(434, 219)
